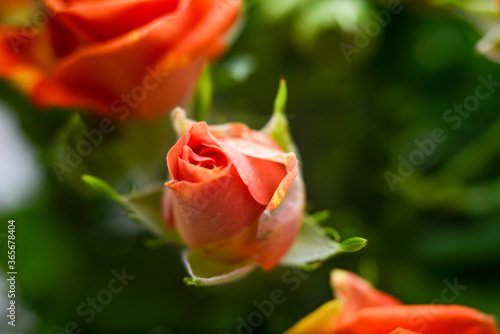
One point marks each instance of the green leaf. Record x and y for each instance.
(205, 271)
(203, 97)
(143, 207)
(314, 245)
(277, 127)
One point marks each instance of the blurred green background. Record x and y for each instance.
(352, 121)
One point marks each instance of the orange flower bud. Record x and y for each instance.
(234, 194)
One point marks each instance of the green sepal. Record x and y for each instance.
(353, 244)
(281, 97)
(277, 127)
(181, 123)
(143, 206)
(311, 266)
(311, 246)
(332, 232)
(314, 245)
(321, 216)
(191, 281)
(102, 187)
(205, 271)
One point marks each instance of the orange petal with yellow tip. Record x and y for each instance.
(322, 321)
(426, 319)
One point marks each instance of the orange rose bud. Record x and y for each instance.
(360, 308)
(234, 194)
(116, 58)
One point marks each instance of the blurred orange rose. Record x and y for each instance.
(115, 58)
(360, 309)
(234, 194)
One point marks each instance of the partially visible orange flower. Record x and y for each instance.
(360, 309)
(115, 58)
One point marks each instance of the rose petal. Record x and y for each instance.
(166, 209)
(210, 156)
(192, 173)
(267, 176)
(241, 246)
(198, 136)
(419, 318)
(357, 293)
(290, 161)
(255, 147)
(206, 34)
(215, 211)
(240, 134)
(92, 19)
(279, 227)
(117, 88)
(24, 58)
(195, 159)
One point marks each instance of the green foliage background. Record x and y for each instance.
(351, 122)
